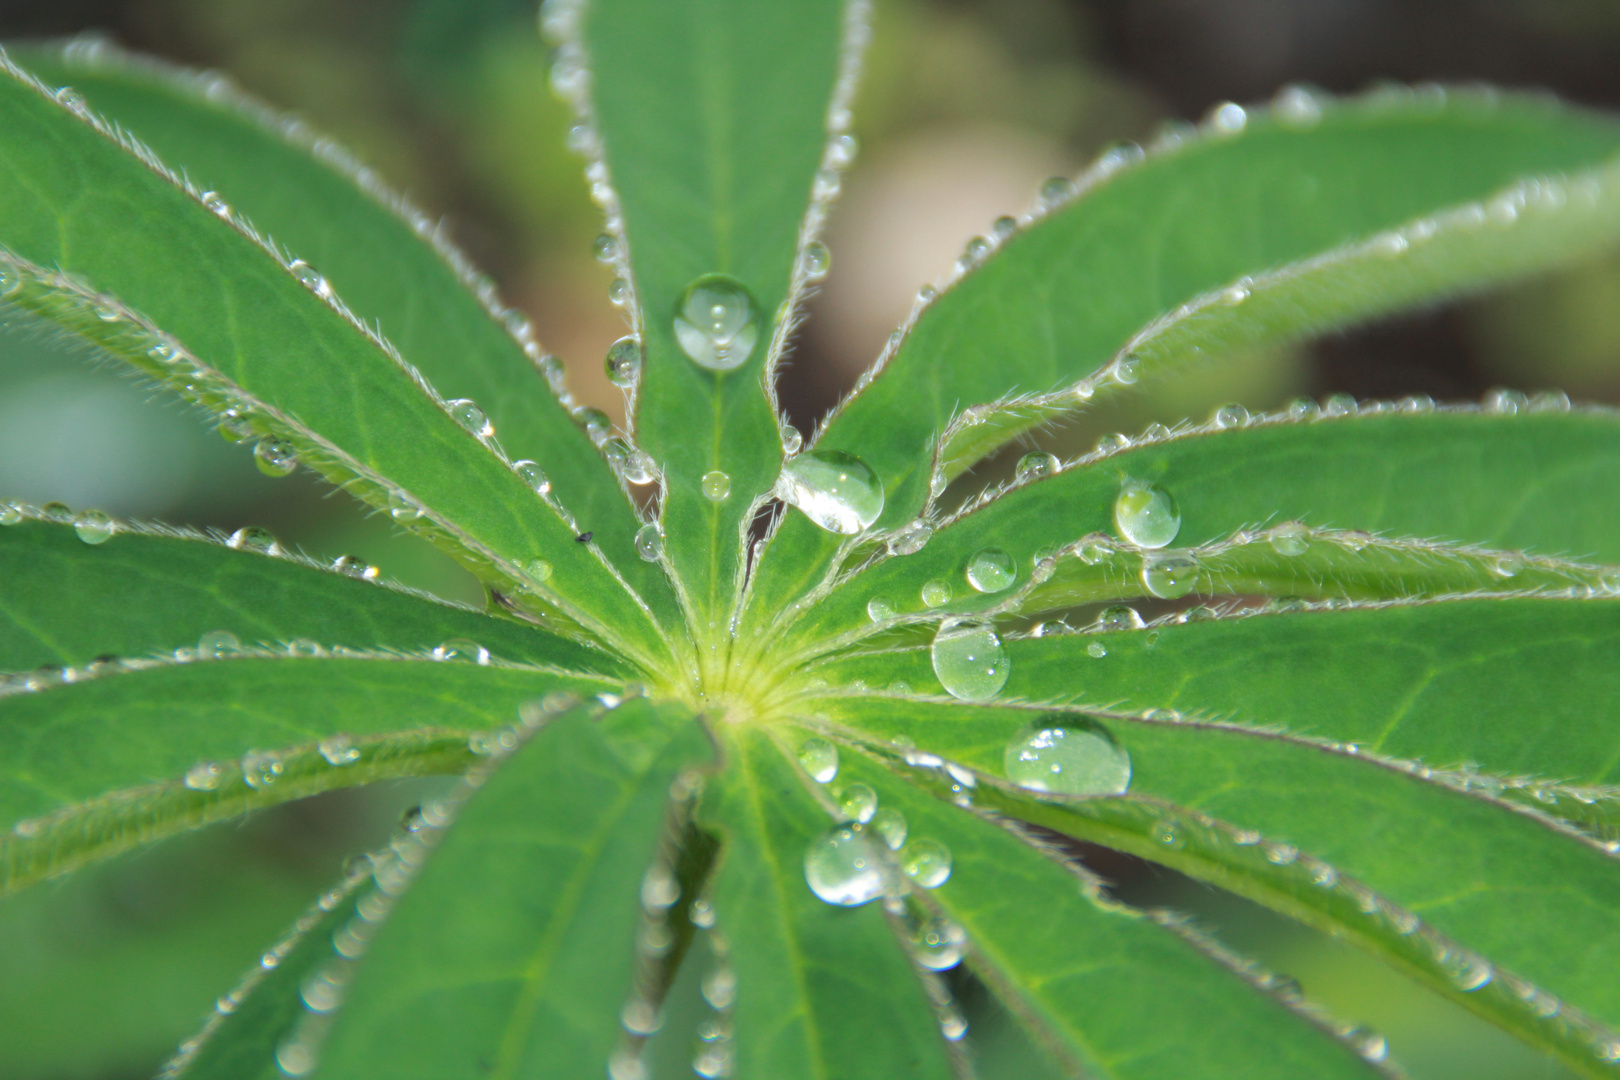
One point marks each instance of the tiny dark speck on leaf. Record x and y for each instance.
(585, 537)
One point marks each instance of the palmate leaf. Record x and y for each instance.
(1054, 304)
(391, 265)
(706, 124)
(233, 311)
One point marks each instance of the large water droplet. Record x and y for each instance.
(889, 825)
(716, 323)
(820, 759)
(1068, 756)
(842, 867)
(834, 489)
(1036, 464)
(649, 543)
(623, 362)
(936, 593)
(94, 527)
(275, 457)
(927, 862)
(716, 486)
(1169, 575)
(970, 661)
(470, 416)
(1146, 515)
(991, 570)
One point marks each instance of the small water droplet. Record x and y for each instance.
(970, 660)
(649, 542)
(1339, 405)
(716, 323)
(878, 609)
(820, 759)
(842, 867)
(619, 291)
(834, 489)
(1120, 617)
(1227, 118)
(402, 508)
(1127, 370)
(275, 457)
(470, 416)
(253, 538)
(218, 644)
(910, 539)
(926, 862)
(1506, 402)
(1068, 756)
(352, 566)
(889, 825)
(623, 363)
(1230, 416)
(1146, 515)
(1169, 575)
(533, 475)
(309, 277)
(205, 776)
(1303, 408)
(791, 439)
(1549, 401)
(1056, 191)
(858, 803)
(218, 205)
(59, 512)
(10, 514)
(638, 467)
(338, 750)
(992, 570)
(719, 988)
(815, 261)
(1291, 538)
(1037, 464)
(605, 247)
(261, 768)
(94, 527)
(936, 593)
(1297, 108)
(937, 944)
(538, 571)
(462, 650)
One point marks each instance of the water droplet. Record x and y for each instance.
(649, 543)
(605, 247)
(1146, 515)
(10, 514)
(10, 279)
(1037, 464)
(538, 570)
(842, 867)
(253, 538)
(309, 277)
(1096, 650)
(815, 261)
(927, 862)
(1068, 756)
(1228, 118)
(878, 609)
(470, 416)
(719, 988)
(992, 570)
(619, 291)
(61, 513)
(623, 362)
(1415, 403)
(820, 759)
(1169, 575)
(1297, 107)
(937, 944)
(533, 475)
(716, 323)
(1167, 834)
(1056, 191)
(1339, 405)
(637, 466)
(1120, 617)
(936, 593)
(970, 661)
(1506, 402)
(1550, 401)
(274, 457)
(1367, 1042)
(218, 205)
(1127, 369)
(791, 439)
(338, 750)
(716, 486)
(833, 488)
(94, 527)
(889, 825)
(355, 567)
(1303, 409)
(218, 644)
(1230, 416)
(402, 508)
(1291, 538)
(910, 539)
(261, 768)
(858, 803)
(463, 650)
(205, 776)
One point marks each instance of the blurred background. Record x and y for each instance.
(966, 107)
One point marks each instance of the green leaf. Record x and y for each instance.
(1510, 898)
(149, 589)
(513, 952)
(1061, 298)
(711, 121)
(821, 991)
(136, 750)
(1110, 993)
(300, 371)
(390, 263)
(263, 1014)
(1503, 480)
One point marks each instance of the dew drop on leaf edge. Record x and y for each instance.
(834, 489)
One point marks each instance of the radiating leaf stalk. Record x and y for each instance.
(1279, 876)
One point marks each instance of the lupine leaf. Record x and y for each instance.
(135, 752)
(1112, 994)
(391, 264)
(712, 121)
(513, 952)
(150, 590)
(1501, 480)
(246, 334)
(822, 991)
